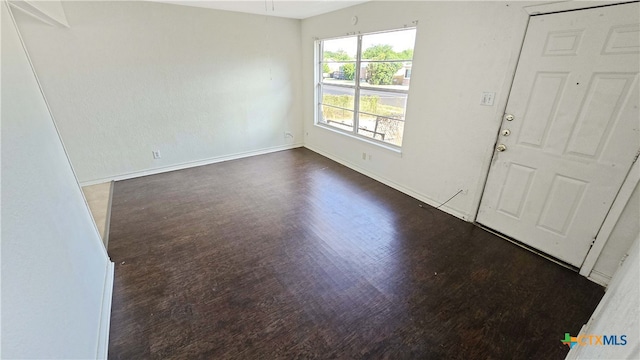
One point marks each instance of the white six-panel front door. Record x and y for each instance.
(574, 134)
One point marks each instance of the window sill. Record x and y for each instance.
(397, 151)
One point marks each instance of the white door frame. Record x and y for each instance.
(610, 221)
(632, 179)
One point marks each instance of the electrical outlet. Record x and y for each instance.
(364, 156)
(156, 154)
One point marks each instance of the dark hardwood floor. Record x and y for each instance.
(291, 255)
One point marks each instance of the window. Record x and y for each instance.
(363, 84)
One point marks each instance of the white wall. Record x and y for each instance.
(55, 271)
(130, 77)
(52, 8)
(617, 314)
(50, 12)
(462, 49)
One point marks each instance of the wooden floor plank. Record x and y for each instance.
(291, 255)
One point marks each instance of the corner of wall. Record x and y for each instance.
(50, 12)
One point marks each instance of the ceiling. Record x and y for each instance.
(299, 9)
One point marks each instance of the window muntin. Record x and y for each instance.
(338, 106)
(373, 107)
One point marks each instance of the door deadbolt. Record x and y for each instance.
(509, 117)
(506, 132)
(501, 147)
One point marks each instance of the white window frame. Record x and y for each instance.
(357, 86)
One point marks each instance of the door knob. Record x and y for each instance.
(506, 132)
(501, 147)
(509, 117)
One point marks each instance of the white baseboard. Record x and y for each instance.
(599, 278)
(411, 192)
(105, 313)
(191, 164)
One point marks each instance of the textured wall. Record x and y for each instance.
(130, 77)
(53, 262)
